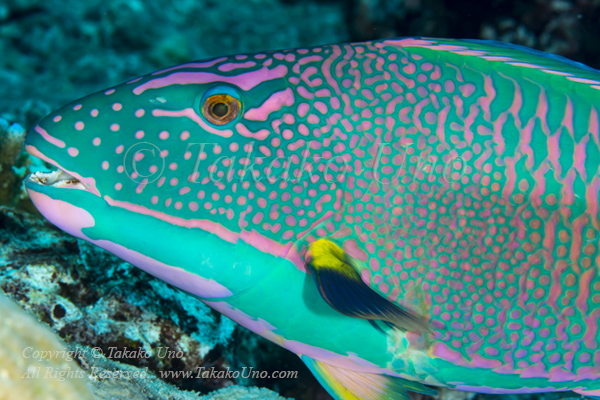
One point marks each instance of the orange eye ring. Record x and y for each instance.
(220, 109)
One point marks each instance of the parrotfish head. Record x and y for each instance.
(182, 145)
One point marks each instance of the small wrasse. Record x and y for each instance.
(402, 214)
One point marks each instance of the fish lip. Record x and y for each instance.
(72, 180)
(57, 178)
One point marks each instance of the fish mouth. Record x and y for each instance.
(58, 178)
(61, 178)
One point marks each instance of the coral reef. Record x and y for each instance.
(242, 393)
(35, 364)
(27, 377)
(13, 163)
(111, 380)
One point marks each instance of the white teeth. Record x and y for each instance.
(69, 184)
(57, 178)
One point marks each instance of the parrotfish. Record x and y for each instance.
(403, 214)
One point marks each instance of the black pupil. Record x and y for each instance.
(220, 110)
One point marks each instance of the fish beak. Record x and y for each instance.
(62, 177)
(58, 178)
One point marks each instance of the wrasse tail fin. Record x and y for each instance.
(342, 288)
(343, 384)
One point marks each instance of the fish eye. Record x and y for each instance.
(220, 109)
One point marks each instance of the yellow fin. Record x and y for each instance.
(342, 288)
(343, 384)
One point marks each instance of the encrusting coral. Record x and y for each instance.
(34, 364)
(12, 160)
(242, 393)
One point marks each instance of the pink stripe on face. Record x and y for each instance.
(64, 215)
(270, 246)
(72, 220)
(191, 114)
(273, 103)
(89, 183)
(50, 139)
(176, 276)
(244, 81)
(203, 224)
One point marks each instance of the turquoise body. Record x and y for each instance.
(461, 176)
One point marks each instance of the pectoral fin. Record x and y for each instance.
(343, 384)
(342, 288)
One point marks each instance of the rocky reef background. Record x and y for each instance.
(54, 51)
